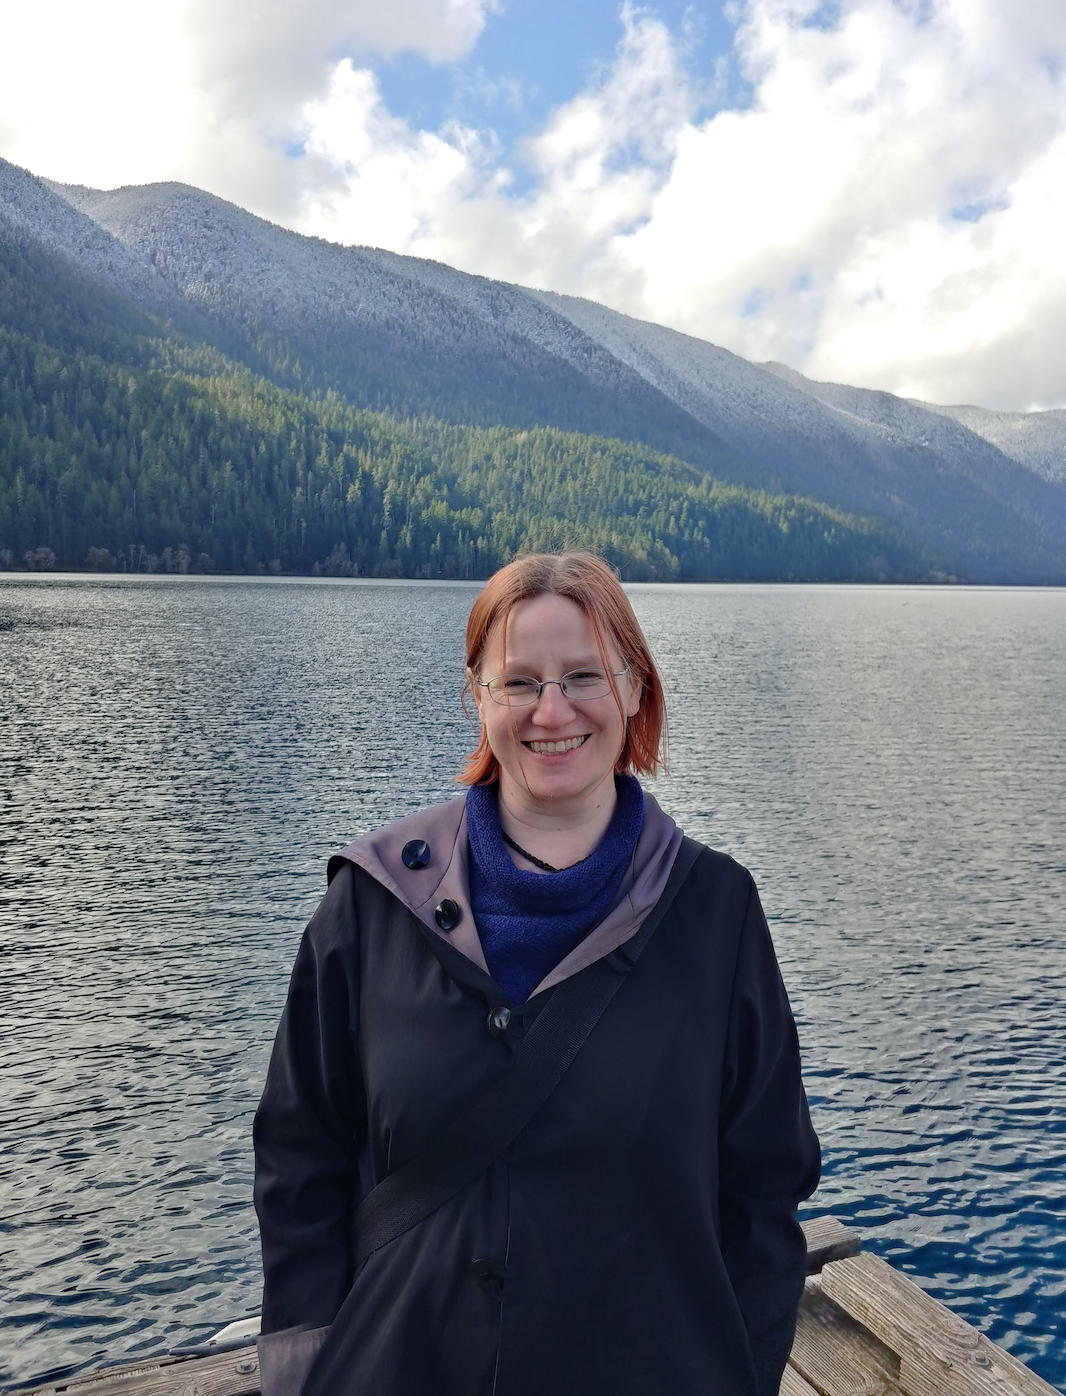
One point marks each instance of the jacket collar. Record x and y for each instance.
(445, 877)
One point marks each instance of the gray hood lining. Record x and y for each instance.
(443, 827)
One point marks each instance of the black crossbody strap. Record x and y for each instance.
(480, 1135)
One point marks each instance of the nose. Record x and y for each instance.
(552, 708)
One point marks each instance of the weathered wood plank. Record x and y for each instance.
(228, 1374)
(792, 1384)
(828, 1239)
(836, 1355)
(940, 1354)
(129, 1369)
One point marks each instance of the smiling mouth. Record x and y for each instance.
(556, 748)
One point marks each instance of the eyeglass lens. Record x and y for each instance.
(516, 690)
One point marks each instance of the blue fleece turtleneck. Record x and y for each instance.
(529, 921)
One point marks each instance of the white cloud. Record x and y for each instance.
(108, 92)
(886, 210)
(831, 209)
(598, 164)
(88, 92)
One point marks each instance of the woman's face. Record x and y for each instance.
(547, 637)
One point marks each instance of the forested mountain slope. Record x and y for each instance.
(418, 339)
(941, 480)
(389, 332)
(1036, 440)
(411, 335)
(129, 443)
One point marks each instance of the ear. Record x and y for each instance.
(632, 703)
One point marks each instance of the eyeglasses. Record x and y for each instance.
(520, 690)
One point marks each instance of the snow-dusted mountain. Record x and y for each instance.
(1033, 440)
(1036, 440)
(30, 208)
(414, 336)
(390, 331)
(910, 460)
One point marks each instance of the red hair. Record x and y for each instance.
(589, 582)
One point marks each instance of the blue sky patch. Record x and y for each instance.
(974, 212)
(826, 17)
(536, 55)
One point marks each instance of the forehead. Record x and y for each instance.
(547, 626)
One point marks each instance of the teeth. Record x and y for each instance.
(555, 748)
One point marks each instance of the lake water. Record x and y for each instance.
(178, 757)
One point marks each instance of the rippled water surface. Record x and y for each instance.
(179, 757)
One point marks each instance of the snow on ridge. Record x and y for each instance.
(717, 387)
(849, 442)
(30, 207)
(910, 423)
(760, 413)
(229, 262)
(218, 256)
(1036, 440)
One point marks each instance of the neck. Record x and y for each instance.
(557, 833)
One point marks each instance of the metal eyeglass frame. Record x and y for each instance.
(542, 684)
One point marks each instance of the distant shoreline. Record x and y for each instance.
(200, 578)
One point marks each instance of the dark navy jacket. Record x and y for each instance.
(640, 1234)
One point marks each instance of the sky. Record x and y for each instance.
(871, 191)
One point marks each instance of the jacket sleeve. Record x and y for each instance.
(310, 1124)
(769, 1159)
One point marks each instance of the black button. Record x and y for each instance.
(415, 854)
(448, 914)
(487, 1275)
(498, 1020)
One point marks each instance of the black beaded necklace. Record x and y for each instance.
(539, 862)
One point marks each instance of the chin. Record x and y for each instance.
(561, 784)
(544, 788)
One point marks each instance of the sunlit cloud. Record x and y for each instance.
(598, 164)
(886, 211)
(95, 93)
(109, 92)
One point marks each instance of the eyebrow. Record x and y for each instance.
(513, 667)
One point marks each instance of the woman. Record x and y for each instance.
(586, 1009)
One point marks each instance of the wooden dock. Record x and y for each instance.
(864, 1330)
